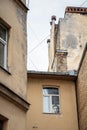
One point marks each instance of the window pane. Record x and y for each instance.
(50, 91)
(55, 108)
(55, 103)
(55, 99)
(1, 54)
(46, 104)
(2, 32)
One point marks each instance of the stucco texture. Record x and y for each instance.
(69, 34)
(73, 37)
(13, 115)
(65, 120)
(82, 94)
(15, 17)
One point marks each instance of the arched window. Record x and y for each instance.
(51, 103)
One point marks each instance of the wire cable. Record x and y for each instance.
(83, 3)
(39, 44)
(33, 32)
(33, 64)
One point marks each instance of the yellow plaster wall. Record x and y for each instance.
(15, 16)
(82, 94)
(16, 119)
(66, 120)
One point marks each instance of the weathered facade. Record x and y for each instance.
(66, 118)
(15, 22)
(70, 34)
(82, 91)
(13, 72)
(58, 98)
(66, 52)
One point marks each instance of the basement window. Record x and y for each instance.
(3, 45)
(51, 103)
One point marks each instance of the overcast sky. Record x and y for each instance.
(39, 18)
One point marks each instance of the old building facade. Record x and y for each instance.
(69, 35)
(13, 72)
(51, 109)
(67, 51)
(82, 91)
(58, 98)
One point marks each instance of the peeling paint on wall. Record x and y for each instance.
(21, 18)
(70, 42)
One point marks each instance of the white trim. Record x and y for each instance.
(50, 97)
(3, 42)
(5, 46)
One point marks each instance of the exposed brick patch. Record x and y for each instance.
(61, 61)
(76, 10)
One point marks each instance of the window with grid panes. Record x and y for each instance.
(3, 45)
(51, 103)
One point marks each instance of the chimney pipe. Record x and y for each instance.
(53, 19)
(48, 42)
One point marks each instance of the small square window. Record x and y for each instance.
(51, 103)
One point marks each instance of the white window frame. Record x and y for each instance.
(4, 43)
(50, 97)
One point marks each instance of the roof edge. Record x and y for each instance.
(71, 9)
(70, 75)
(22, 5)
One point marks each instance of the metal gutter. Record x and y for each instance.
(52, 75)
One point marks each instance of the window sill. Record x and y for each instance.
(52, 113)
(5, 70)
